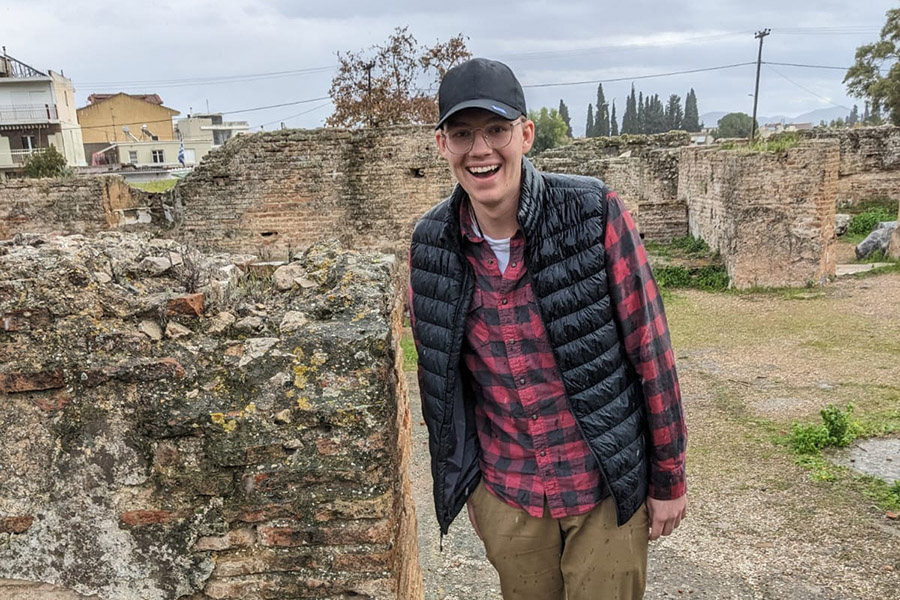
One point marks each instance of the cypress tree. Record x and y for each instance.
(601, 122)
(640, 117)
(691, 121)
(613, 125)
(629, 119)
(589, 127)
(564, 113)
(674, 114)
(654, 115)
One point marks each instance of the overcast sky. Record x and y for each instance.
(232, 55)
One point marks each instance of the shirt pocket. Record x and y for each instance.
(477, 333)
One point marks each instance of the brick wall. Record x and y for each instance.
(771, 215)
(642, 169)
(77, 205)
(870, 162)
(249, 440)
(267, 192)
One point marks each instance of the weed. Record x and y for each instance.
(886, 496)
(156, 186)
(865, 222)
(838, 429)
(710, 278)
(690, 245)
(410, 357)
(671, 276)
(839, 425)
(808, 439)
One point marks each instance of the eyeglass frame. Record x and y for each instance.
(518, 121)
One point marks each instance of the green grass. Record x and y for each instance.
(710, 278)
(156, 186)
(410, 357)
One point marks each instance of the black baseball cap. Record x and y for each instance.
(480, 83)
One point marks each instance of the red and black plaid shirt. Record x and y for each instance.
(530, 444)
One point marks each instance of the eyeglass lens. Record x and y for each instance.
(496, 135)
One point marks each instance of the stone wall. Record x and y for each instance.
(894, 248)
(771, 215)
(77, 205)
(182, 426)
(272, 191)
(642, 169)
(870, 162)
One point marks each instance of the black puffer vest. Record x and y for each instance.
(563, 219)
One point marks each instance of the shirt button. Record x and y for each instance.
(543, 453)
(522, 380)
(490, 261)
(512, 264)
(504, 301)
(534, 417)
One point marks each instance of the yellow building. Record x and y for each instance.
(111, 118)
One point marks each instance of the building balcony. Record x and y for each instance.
(28, 114)
(15, 158)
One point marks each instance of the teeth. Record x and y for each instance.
(484, 169)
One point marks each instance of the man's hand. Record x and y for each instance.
(665, 515)
(472, 519)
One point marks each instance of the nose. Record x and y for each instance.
(479, 143)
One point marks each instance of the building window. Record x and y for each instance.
(132, 156)
(158, 157)
(28, 142)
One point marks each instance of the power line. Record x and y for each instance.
(782, 64)
(313, 109)
(635, 78)
(231, 112)
(804, 88)
(205, 80)
(616, 47)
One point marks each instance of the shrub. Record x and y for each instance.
(45, 163)
(839, 425)
(838, 429)
(671, 277)
(711, 278)
(865, 222)
(808, 439)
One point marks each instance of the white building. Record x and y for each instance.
(37, 110)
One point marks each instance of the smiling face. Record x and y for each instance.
(492, 177)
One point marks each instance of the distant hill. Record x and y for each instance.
(710, 119)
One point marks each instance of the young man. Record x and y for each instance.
(547, 376)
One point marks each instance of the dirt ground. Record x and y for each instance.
(759, 526)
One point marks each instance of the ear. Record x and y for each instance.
(441, 143)
(527, 136)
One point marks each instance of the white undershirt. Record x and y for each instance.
(500, 247)
(501, 251)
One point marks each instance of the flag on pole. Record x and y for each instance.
(181, 152)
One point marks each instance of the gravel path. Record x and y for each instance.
(759, 526)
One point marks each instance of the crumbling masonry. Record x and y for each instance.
(183, 426)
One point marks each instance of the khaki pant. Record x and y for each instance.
(586, 557)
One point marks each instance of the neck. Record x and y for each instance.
(497, 222)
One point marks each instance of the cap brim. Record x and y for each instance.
(498, 108)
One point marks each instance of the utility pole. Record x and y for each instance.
(759, 35)
(368, 67)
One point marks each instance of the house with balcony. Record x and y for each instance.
(37, 110)
(210, 128)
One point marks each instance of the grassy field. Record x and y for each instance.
(156, 186)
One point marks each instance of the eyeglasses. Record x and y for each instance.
(496, 135)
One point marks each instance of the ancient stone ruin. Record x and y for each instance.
(271, 194)
(179, 425)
